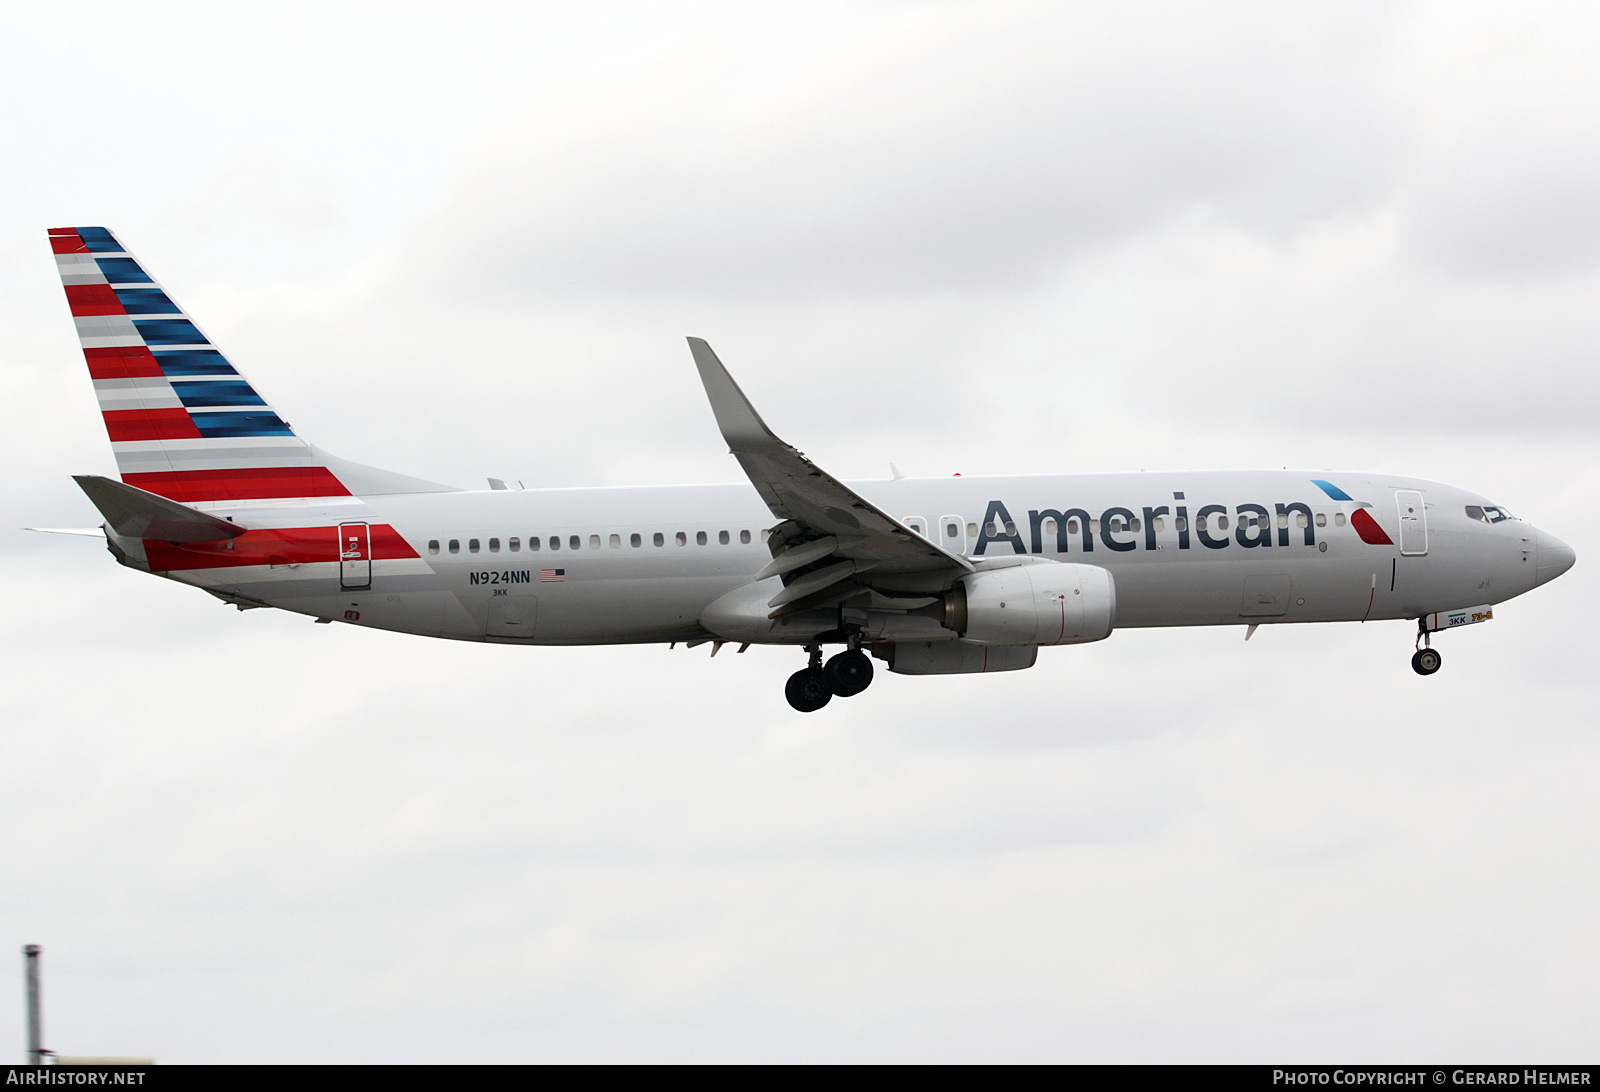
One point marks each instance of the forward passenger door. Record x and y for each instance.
(1413, 523)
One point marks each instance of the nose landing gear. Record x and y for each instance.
(1426, 661)
(844, 676)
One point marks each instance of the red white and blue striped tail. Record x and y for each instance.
(182, 420)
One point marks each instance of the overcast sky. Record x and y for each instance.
(468, 240)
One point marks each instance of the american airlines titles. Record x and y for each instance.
(1138, 528)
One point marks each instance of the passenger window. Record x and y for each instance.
(472, 545)
(952, 530)
(1283, 519)
(514, 545)
(635, 541)
(616, 542)
(1300, 521)
(555, 542)
(1181, 523)
(1160, 523)
(683, 539)
(494, 545)
(1338, 519)
(1135, 525)
(575, 541)
(533, 542)
(1094, 527)
(766, 534)
(594, 542)
(1322, 519)
(699, 538)
(972, 530)
(658, 539)
(433, 545)
(455, 545)
(1072, 526)
(744, 538)
(1222, 523)
(1048, 527)
(722, 537)
(1011, 528)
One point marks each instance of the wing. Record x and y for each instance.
(831, 543)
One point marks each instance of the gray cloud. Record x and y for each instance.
(943, 150)
(1519, 204)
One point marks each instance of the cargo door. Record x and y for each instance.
(1413, 523)
(1265, 596)
(512, 615)
(355, 555)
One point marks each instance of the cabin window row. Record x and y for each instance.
(515, 544)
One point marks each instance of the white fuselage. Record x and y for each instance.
(1185, 549)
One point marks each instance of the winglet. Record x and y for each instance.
(741, 425)
(136, 513)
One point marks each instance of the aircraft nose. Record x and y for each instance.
(1555, 557)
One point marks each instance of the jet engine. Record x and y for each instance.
(1045, 604)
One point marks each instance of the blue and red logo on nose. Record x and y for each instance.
(1360, 519)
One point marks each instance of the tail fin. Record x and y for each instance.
(183, 422)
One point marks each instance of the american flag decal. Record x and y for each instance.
(552, 576)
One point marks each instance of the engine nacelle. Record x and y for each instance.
(1048, 604)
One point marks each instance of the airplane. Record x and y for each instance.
(928, 576)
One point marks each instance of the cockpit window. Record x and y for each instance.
(1488, 513)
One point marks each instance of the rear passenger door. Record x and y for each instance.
(355, 556)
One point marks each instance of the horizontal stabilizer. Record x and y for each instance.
(83, 532)
(134, 513)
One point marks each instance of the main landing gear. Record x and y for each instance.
(1426, 661)
(844, 676)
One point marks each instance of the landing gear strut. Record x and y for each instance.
(844, 676)
(1426, 661)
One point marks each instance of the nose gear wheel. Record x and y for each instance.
(1426, 661)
